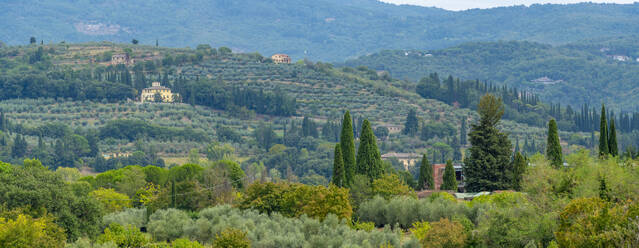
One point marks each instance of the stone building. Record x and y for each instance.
(121, 58)
(407, 159)
(157, 91)
(281, 59)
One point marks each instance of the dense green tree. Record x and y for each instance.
(347, 145)
(411, 126)
(231, 238)
(463, 133)
(518, 170)
(449, 179)
(19, 149)
(612, 139)
(309, 128)
(487, 167)
(265, 136)
(3, 122)
(339, 175)
(603, 133)
(369, 161)
(34, 187)
(553, 148)
(426, 179)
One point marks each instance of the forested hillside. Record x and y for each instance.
(592, 71)
(320, 30)
(66, 105)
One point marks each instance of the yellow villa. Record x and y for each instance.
(149, 94)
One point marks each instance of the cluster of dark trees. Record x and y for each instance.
(216, 94)
(135, 129)
(347, 164)
(521, 106)
(118, 83)
(66, 147)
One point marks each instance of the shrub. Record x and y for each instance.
(111, 200)
(366, 226)
(168, 224)
(131, 216)
(390, 185)
(231, 238)
(293, 200)
(445, 234)
(128, 236)
(442, 195)
(406, 210)
(275, 230)
(26, 232)
(185, 243)
(86, 243)
(420, 229)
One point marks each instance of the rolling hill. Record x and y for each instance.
(592, 71)
(327, 30)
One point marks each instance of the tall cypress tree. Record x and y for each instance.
(426, 180)
(553, 148)
(518, 170)
(612, 138)
(449, 182)
(19, 149)
(463, 133)
(603, 133)
(412, 124)
(339, 175)
(486, 169)
(369, 161)
(347, 145)
(3, 126)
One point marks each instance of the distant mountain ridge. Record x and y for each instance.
(327, 30)
(593, 71)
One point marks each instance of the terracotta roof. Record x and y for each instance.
(401, 155)
(157, 88)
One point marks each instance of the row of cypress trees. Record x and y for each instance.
(607, 137)
(368, 161)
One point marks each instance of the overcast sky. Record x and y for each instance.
(471, 4)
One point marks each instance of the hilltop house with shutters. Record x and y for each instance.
(156, 90)
(281, 59)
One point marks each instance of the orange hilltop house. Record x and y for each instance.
(281, 59)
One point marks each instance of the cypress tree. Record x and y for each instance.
(604, 192)
(3, 126)
(486, 169)
(603, 133)
(173, 194)
(19, 149)
(412, 124)
(462, 133)
(518, 170)
(553, 148)
(450, 182)
(426, 180)
(369, 161)
(612, 138)
(347, 145)
(339, 177)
